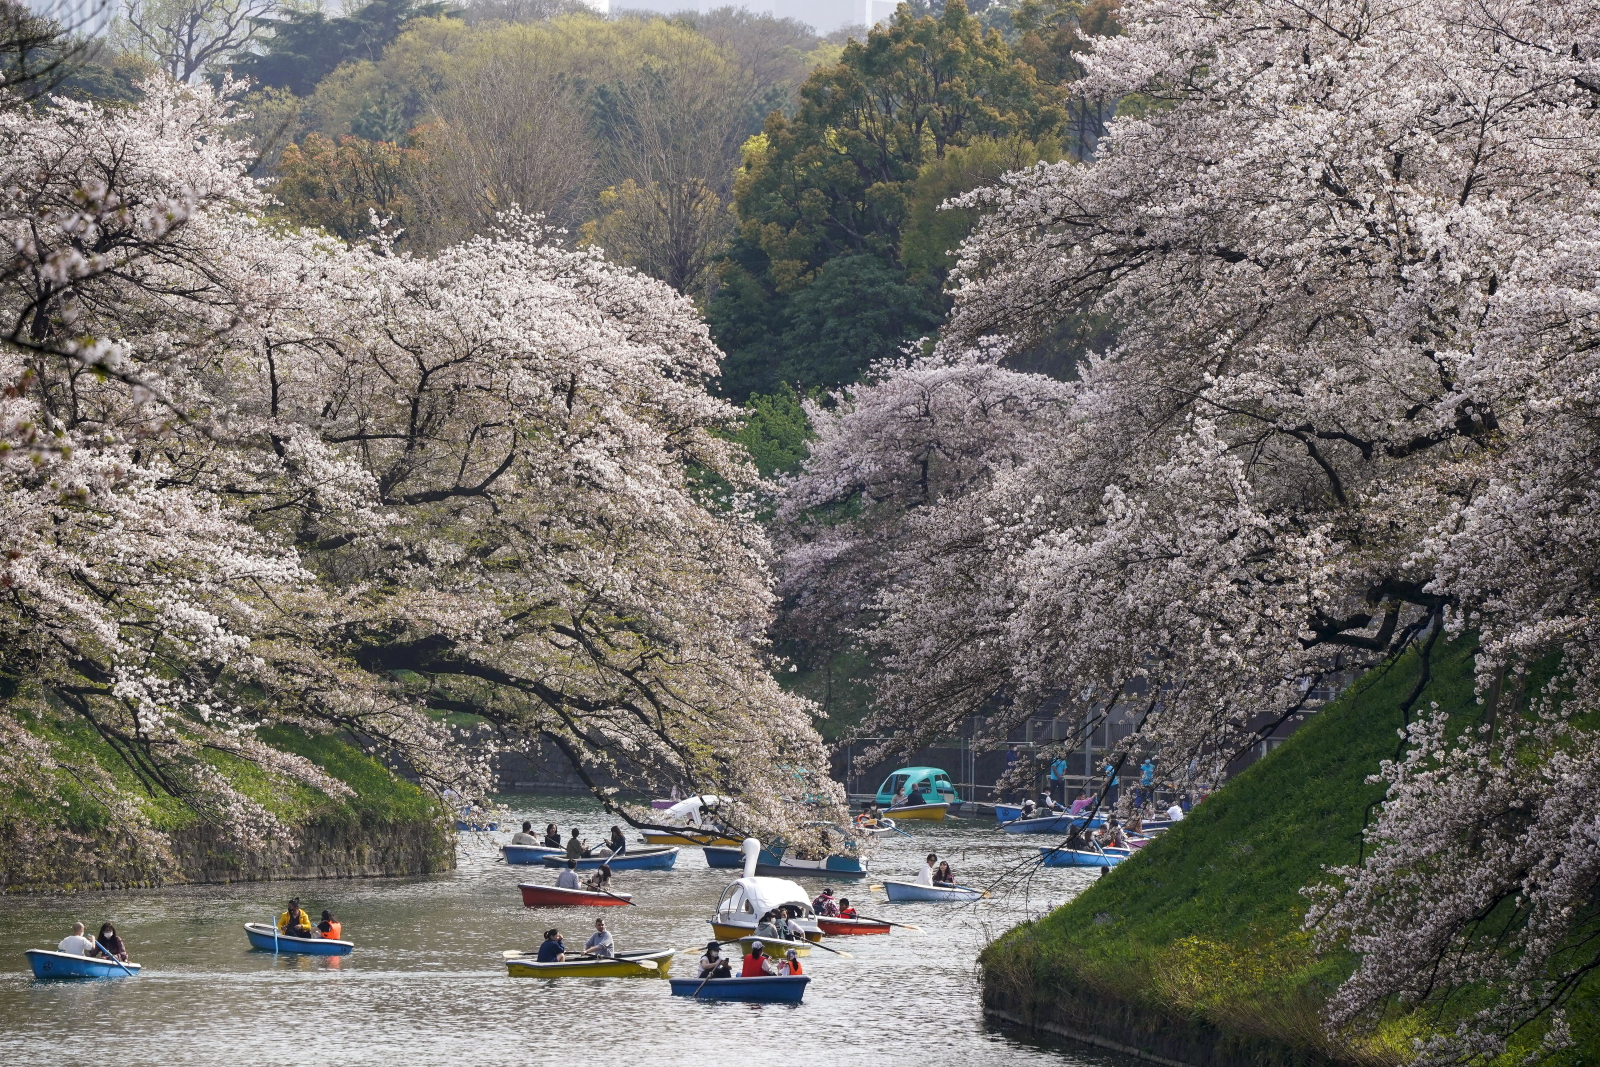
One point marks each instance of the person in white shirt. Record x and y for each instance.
(925, 876)
(568, 878)
(526, 836)
(75, 943)
(600, 942)
(1175, 813)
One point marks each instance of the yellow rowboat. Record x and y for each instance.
(776, 947)
(729, 932)
(625, 965)
(930, 812)
(656, 837)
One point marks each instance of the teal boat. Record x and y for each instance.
(50, 964)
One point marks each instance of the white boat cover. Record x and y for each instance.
(750, 898)
(689, 810)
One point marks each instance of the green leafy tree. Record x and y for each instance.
(306, 46)
(834, 184)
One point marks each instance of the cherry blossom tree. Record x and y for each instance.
(1349, 251)
(256, 478)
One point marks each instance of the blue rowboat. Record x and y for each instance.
(948, 894)
(1004, 813)
(1071, 857)
(646, 859)
(268, 939)
(774, 989)
(529, 853)
(1054, 824)
(476, 827)
(777, 864)
(49, 964)
(726, 858)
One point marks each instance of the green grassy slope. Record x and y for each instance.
(1206, 924)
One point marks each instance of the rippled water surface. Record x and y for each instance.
(425, 984)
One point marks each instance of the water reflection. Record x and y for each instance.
(426, 984)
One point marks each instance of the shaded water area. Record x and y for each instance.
(426, 985)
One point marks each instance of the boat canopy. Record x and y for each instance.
(924, 780)
(755, 896)
(689, 810)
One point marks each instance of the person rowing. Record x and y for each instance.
(619, 841)
(713, 964)
(600, 943)
(600, 880)
(552, 835)
(294, 922)
(845, 910)
(757, 965)
(575, 848)
(109, 945)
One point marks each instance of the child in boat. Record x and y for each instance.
(790, 964)
(845, 910)
(824, 904)
(294, 922)
(757, 965)
(713, 965)
(329, 927)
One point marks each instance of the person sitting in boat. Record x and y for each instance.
(294, 922)
(568, 878)
(713, 965)
(768, 926)
(845, 910)
(784, 921)
(600, 942)
(109, 945)
(790, 964)
(1116, 836)
(757, 965)
(1028, 809)
(525, 837)
(600, 880)
(575, 848)
(618, 842)
(1049, 803)
(925, 876)
(329, 928)
(943, 875)
(1175, 813)
(824, 904)
(552, 949)
(1081, 803)
(552, 836)
(75, 944)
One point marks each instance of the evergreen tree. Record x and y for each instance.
(306, 46)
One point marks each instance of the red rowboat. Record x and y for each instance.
(549, 896)
(836, 927)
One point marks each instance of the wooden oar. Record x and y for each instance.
(613, 896)
(517, 953)
(887, 922)
(808, 942)
(114, 959)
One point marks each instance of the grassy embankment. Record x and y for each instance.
(72, 822)
(1204, 931)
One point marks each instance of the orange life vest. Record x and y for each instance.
(752, 967)
(794, 967)
(333, 931)
(847, 913)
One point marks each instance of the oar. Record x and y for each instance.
(613, 896)
(112, 958)
(887, 922)
(810, 943)
(274, 937)
(517, 953)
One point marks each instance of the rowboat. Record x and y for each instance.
(476, 827)
(623, 965)
(646, 859)
(268, 939)
(912, 891)
(1070, 857)
(550, 896)
(1004, 813)
(1060, 823)
(933, 812)
(47, 963)
(774, 989)
(525, 854)
(885, 826)
(836, 927)
(780, 863)
(686, 837)
(775, 947)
